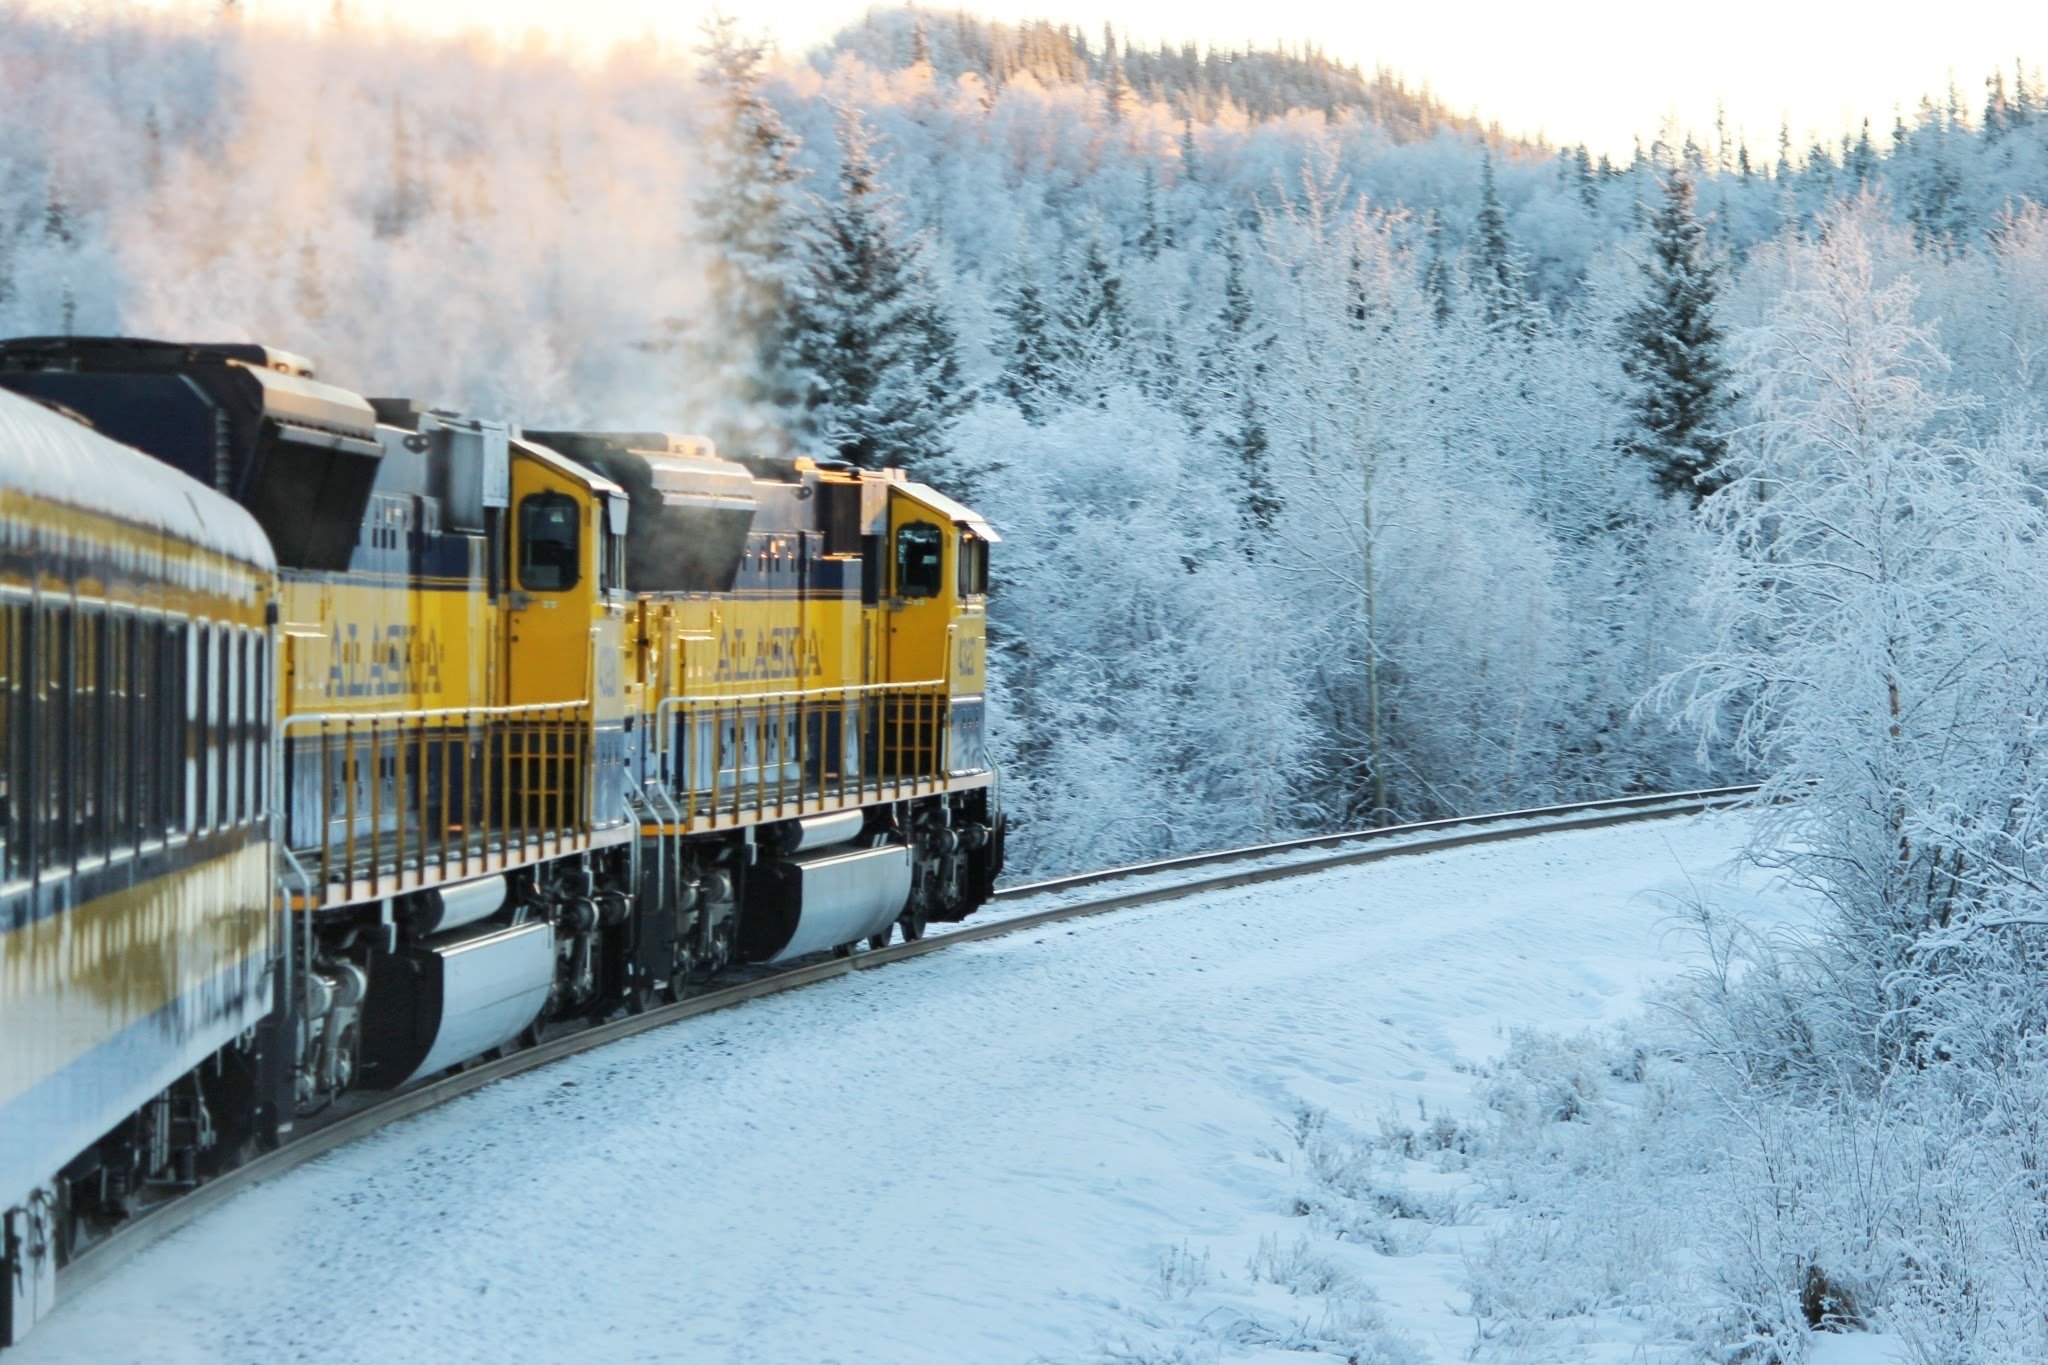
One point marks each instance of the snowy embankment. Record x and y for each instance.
(1206, 1129)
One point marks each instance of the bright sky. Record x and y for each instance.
(1599, 71)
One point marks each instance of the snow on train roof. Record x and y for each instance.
(47, 454)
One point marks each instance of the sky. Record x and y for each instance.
(1601, 72)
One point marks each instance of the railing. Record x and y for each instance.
(721, 760)
(383, 802)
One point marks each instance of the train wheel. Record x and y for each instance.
(912, 922)
(881, 940)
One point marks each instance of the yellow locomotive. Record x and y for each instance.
(506, 728)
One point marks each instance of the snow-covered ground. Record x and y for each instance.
(1091, 1141)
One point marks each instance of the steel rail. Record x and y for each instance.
(1435, 836)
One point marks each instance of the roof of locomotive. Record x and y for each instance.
(958, 512)
(49, 455)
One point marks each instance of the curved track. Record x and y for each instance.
(1156, 881)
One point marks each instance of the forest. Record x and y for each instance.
(1355, 463)
(1348, 451)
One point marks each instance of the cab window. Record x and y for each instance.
(919, 557)
(973, 566)
(550, 542)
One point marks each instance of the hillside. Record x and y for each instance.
(1201, 84)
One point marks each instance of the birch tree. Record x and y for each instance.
(1875, 589)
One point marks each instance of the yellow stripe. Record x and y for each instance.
(190, 579)
(69, 982)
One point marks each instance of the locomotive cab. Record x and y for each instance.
(933, 606)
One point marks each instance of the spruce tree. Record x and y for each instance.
(750, 220)
(1671, 349)
(1093, 327)
(1234, 372)
(1152, 233)
(1860, 160)
(869, 332)
(1029, 350)
(1436, 275)
(1494, 264)
(1258, 501)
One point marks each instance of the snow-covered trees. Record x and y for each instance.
(1671, 349)
(1877, 589)
(750, 210)
(869, 332)
(1299, 369)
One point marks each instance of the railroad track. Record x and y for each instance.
(1155, 882)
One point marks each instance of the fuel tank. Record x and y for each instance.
(434, 1004)
(822, 900)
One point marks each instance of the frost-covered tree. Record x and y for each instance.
(1092, 323)
(750, 220)
(869, 331)
(1234, 364)
(1436, 278)
(1495, 267)
(1876, 589)
(1671, 348)
(1027, 347)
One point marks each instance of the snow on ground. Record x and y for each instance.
(1077, 1143)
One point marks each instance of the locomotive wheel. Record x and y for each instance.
(912, 922)
(881, 940)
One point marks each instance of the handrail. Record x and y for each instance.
(792, 753)
(801, 694)
(438, 713)
(381, 802)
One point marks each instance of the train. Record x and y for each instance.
(347, 740)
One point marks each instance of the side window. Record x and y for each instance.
(117, 685)
(255, 677)
(612, 569)
(202, 705)
(14, 741)
(175, 726)
(228, 735)
(550, 542)
(973, 566)
(52, 702)
(86, 744)
(920, 553)
(145, 633)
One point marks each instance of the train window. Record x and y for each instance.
(196, 689)
(84, 748)
(117, 681)
(174, 727)
(973, 566)
(920, 550)
(15, 739)
(612, 572)
(550, 543)
(256, 723)
(141, 715)
(229, 770)
(52, 717)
